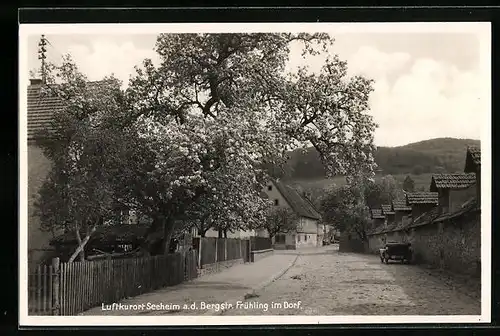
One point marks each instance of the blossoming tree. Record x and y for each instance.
(190, 137)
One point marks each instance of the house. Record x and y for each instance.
(453, 190)
(402, 212)
(41, 108)
(378, 219)
(421, 202)
(389, 215)
(39, 114)
(310, 231)
(473, 165)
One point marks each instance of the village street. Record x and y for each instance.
(334, 283)
(316, 281)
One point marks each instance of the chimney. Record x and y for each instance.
(36, 81)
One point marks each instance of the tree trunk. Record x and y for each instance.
(220, 233)
(168, 231)
(147, 243)
(79, 240)
(82, 245)
(225, 233)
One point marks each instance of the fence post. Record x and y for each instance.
(216, 249)
(225, 249)
(199, 253)
(56, 276)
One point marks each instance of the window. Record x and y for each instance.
(269, 187)
(298, 238)
(276, 202)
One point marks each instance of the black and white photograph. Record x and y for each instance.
(239, 174)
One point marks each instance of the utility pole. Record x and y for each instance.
(41, 56)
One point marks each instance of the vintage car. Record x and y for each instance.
(396, 251)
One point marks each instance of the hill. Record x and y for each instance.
(424, 157)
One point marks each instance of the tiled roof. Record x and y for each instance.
(400, 205)
(422, 197)
(387, 209)
(377, 214)
(302, 206)
(452, 181)
(473, 159)
(41, 108)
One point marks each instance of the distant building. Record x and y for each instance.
(310, 231)
(473, 165)
(453, 190)
(378, 219)
(402, 212)
(389, 215)
(421, 202)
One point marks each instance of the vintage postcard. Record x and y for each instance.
(242, 174)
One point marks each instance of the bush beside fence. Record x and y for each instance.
(79, 286)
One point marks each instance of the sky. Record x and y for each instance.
(427, 84)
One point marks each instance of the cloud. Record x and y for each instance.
(431, 100)
(373, 63)
(105, 57)
(414, 99)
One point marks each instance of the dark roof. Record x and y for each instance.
(472, 159)
(377, 214)
(301, 205)
(400, 205)
(387, 209)
(452, 181)
(422, 197)
(42, 105)
(41, 108)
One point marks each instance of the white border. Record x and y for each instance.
(483, 30)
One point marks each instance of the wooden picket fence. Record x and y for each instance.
(40, 289)
(71, 288)
(213, 250)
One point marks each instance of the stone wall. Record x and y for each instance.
(218, 267)
(259, 255)
(453, 243)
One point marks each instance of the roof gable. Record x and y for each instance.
(472, 160)
(422, 197)
(301, 206)
(452, 181)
